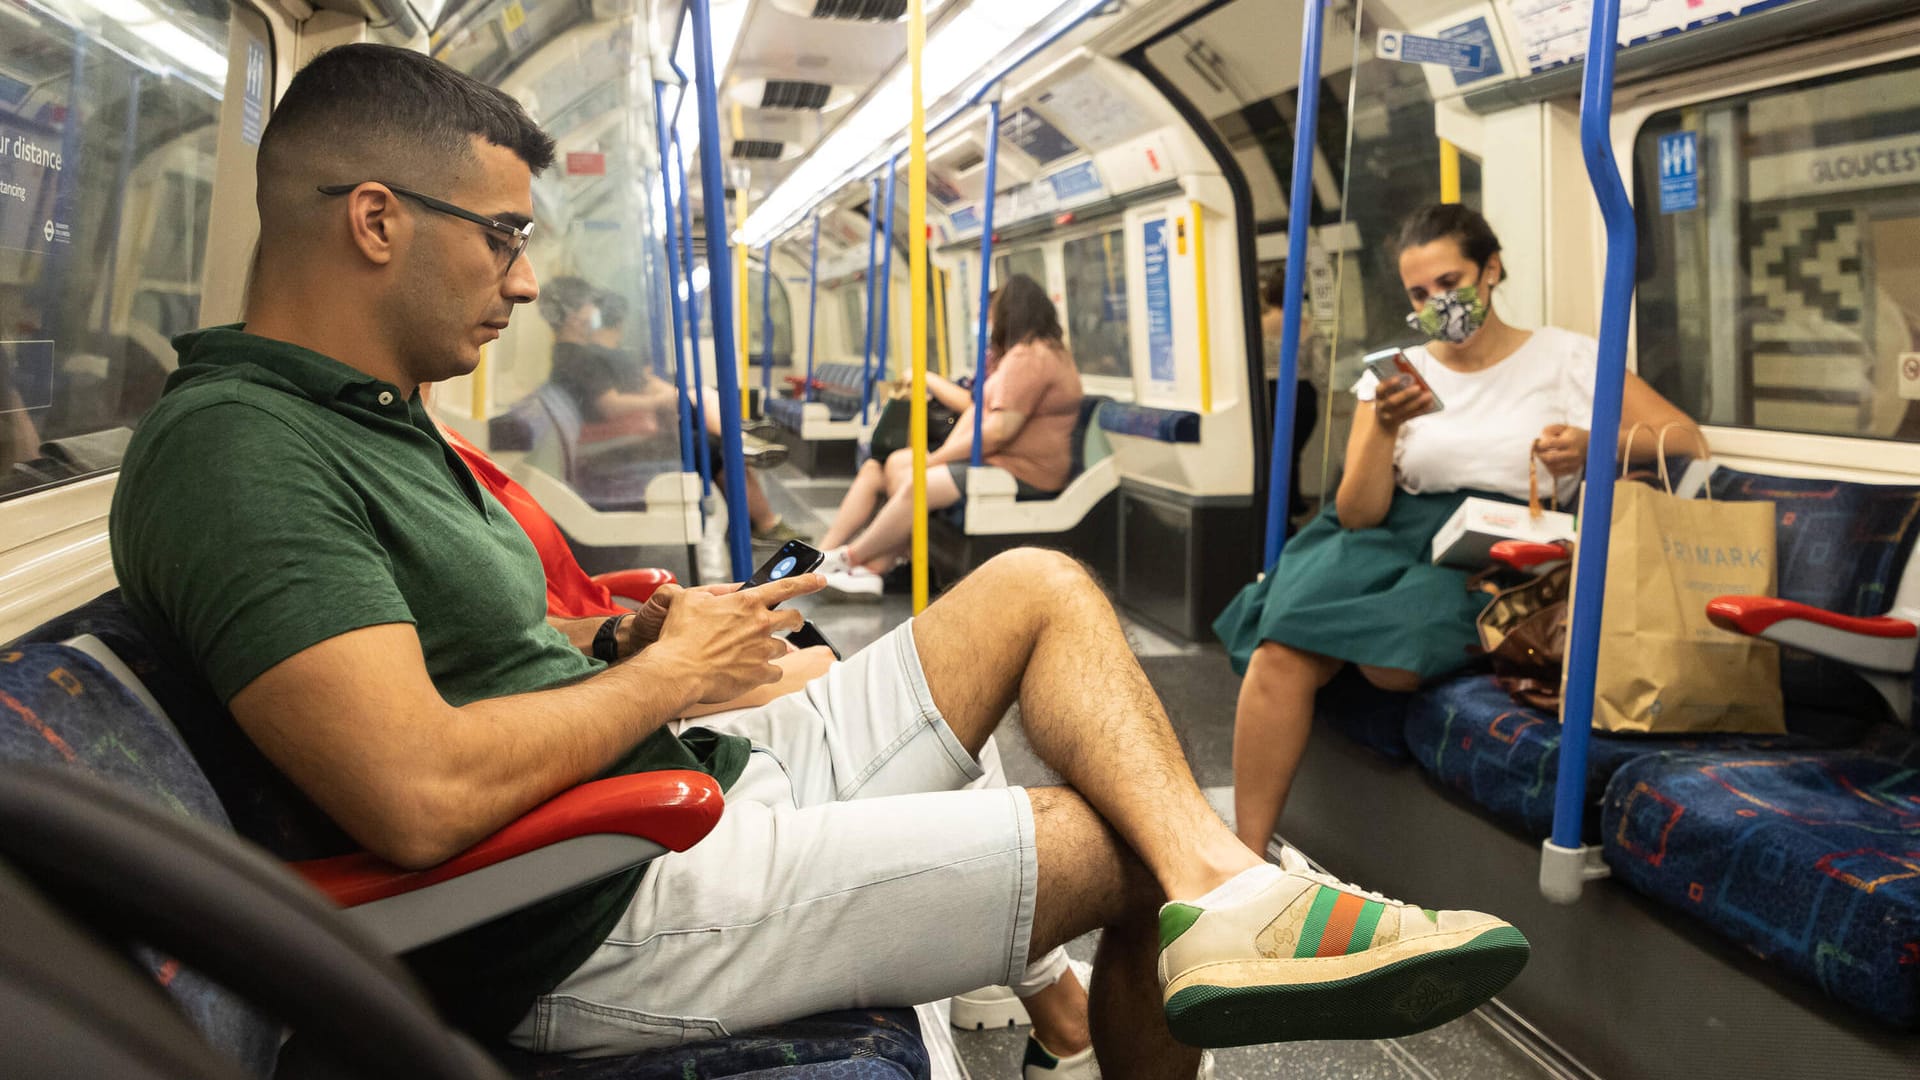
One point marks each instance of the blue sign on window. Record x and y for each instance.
(966, 219)
(1075, 183)
(1475, 32)
(1159, 302)
(253, 97)
(1679, 172)
(29, 370)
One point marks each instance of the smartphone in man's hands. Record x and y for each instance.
(1390, 364)
(794, 557)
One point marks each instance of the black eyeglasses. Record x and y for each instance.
(515, 240)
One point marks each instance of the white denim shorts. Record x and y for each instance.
(849, 871)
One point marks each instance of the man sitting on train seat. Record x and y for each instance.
(289, 518)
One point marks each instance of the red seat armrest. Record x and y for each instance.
(1527, 555)
(672, 808)
(636, 585)
(1755, 615)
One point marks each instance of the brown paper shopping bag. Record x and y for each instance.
(1663, 667)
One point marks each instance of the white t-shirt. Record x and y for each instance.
(1491, 417)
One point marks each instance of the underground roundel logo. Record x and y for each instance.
(1911, 367)
(47, 230)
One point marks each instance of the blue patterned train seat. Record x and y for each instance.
(1810, 860)
(1471, 737)
(840, 391)
(1161, 425)
(61, 706)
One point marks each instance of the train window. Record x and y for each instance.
(1029, 261)
(853, 307)
(756, 317)
(1779, 287)
(108, 126)
(1097, 303)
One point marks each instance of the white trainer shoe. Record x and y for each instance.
(993, 1007)
(854, 583)
(1041, 1064)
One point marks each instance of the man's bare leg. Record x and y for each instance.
(1089, 881)
(1032, 626)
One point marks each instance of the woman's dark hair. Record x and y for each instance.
(1021, 312)
(563, 296)
(1449, 221)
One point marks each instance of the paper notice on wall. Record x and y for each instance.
(35, 190)
(1153, 249)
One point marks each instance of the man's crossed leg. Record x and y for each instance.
(848, 869)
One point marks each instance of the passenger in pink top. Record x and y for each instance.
(1032, 401)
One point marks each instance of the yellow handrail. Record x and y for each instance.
(1200, 303)
(1449, 172)
(940, 319)
(917, 285)
(478, 408)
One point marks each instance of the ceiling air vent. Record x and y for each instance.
(794, 94)
(758, 149)
(860, 10)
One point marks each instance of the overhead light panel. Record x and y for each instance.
(968, 52)
(728, 18)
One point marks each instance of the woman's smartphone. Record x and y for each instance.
(1388, 364)
(794, 557)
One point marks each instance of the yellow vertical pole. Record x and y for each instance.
(740, 277)
(940, 319)
(1200, 304)
(1449, 172)
(478, 408)
(917, 286)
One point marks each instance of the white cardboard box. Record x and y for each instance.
(1466, 540)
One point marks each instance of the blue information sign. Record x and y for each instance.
(253, 97)
(1075, 183)
(1036, 138)
(1415, 49)
(1475, 32)
(1679, 172)
(1159, 302)
(966, 219)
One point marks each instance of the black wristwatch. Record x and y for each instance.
(606, 640)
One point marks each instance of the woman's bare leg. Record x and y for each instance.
(856, 509)
(890, 537)
(1270, 728)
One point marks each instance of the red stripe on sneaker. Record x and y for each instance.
(1346, 912)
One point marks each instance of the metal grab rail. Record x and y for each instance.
(673, 285)
(873, 251)
(713, 190)
(883, 329)
(1563, 865)
(813, 302)
(1299, 220)
(702, 453)
(766, 326)
(986, 279)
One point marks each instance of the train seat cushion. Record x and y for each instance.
(1161, 425)
(1810, 860)
(1364, 713)
(1843, 546)
(857, 1044)
(59, 707)
(1471, 737)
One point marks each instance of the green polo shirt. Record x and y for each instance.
(274, 498)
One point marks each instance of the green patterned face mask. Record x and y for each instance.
(1453, 316)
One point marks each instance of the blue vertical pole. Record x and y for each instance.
(1596, 510)
(873, 248)
(986, 278)
(1299, 220)
(884, 330)
(673, 282)
(702, 453)
(713, 189)
(813, 299)
(766, 325)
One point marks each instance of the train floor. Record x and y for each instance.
(1198, 688)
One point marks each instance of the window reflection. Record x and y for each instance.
(108, 118)
(1097, 304)
(1789, 298)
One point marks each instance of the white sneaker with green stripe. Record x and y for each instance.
(1309, 957)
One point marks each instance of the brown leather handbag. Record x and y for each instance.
(1524, 627)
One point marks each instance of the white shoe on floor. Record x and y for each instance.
(993, 1007)
(1041, 1064)
(855, 583)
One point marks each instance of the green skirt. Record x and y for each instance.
(1369, 596)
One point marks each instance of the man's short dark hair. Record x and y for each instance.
(376, 106)
(613, 309)
(563, 296)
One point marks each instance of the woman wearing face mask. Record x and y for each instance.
(1357, 585)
